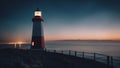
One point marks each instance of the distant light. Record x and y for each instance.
(38, 13)
(20, 43)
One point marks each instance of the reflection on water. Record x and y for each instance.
(15, 45)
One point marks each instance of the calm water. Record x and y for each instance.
(107, 48)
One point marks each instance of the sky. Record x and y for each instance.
(63, 19)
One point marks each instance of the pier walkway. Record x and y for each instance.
(19, 58)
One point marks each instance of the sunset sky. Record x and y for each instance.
(63, 19)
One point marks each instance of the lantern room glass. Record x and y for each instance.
(38, 13)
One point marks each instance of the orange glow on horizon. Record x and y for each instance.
(76, 37)
(19, 42)
(71, 37)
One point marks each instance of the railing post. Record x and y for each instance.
(111, 61)
(54, 51)
(69, 52)
(108, 61)
(62, 51)
(75, 53)
(45, 49)
(82, 54)
(94, 56)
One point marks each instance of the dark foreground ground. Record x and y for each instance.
(16, 58)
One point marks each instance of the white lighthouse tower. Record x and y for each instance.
(37, 33)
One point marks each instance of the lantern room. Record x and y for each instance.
(38, 13)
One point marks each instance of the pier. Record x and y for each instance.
(110, 61)
(36, 58)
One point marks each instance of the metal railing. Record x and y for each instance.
(109, 60)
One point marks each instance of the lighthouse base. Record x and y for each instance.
(37, 42)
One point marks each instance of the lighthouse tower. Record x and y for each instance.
(37, 41)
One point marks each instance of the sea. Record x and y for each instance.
(107, 48)
(110, 48)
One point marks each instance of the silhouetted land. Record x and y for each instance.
(18, 58)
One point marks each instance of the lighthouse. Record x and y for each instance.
(37, 41)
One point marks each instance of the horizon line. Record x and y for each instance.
(59, 40)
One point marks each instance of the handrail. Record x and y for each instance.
(109, 60)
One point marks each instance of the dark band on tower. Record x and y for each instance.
(37, 33)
